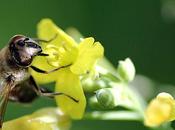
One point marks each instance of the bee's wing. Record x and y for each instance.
(5, 89)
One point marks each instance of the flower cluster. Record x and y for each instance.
(75, 60)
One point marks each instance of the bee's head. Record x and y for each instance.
(23, 49)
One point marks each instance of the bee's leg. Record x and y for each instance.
(46, 93)
(42, 54)
(47, 72)
(45, 41)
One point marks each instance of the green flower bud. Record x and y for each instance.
(126, 70)
(90, 84)
(94, 103)
(118, 95)
(44, 119)
(107, 97)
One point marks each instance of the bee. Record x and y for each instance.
(16, 83)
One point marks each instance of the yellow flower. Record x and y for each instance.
(44, 119)
(79, 59)
(160, 110)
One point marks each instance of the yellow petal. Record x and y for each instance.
(62, 51)
(69, 84)
(48, 30)
(157, 113)
(67, 47)
(159, 110)
(89, 53)
(44, 119)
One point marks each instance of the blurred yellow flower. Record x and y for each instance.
(160, 110)
(44, 119)
(79, 59)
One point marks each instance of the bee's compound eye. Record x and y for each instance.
(21, 43)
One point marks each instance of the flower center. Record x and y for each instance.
(60, 55)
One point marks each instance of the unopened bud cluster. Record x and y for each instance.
(110, 93)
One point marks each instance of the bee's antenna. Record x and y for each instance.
(45, 41)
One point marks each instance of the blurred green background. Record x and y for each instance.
(140, 29)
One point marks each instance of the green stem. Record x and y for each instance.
(165, 126)
(113, 115)
(139, 104)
